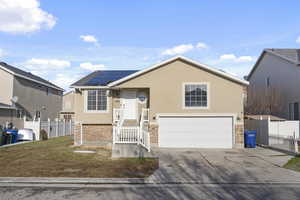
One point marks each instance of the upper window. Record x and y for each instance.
(195, 95)
(96, 100)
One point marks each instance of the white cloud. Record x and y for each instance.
(2, 53)
(36, 64)
(201, 45)
(233, 58)
(24, 16)
(180, 49)
(65, 80)
(298, 40)
(91, 67)
(89, 38)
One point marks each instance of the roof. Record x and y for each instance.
(290, 55)
(199, 65)
(27, 75)
(258, 117)
(102, 78)
(6, 106)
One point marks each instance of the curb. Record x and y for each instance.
(119, 181)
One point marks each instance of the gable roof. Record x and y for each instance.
(102, 78)
(290, 55)
(199, 65)
(27, 75)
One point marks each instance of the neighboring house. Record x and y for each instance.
(188, 104)
(276, 78)
(67, 112)
(24, 94)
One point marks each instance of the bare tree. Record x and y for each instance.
(267, 101)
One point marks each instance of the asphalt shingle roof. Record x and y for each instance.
(29, 75)
(291, 54)
(102, 78)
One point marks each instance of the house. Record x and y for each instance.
(67, 112)
(274, 81)
(176, 103)
(24, 94)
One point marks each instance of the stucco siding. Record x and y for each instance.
(284, 79)
(166, 90)
(33, 97)
(81, 115)
(68, 102)
(6, 87)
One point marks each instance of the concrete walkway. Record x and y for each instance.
(223, 166)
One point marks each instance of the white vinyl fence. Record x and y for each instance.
(278, 134)
(54, 128)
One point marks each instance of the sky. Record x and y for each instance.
(63, 41)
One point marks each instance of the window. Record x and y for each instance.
(48, 90)
(96, 100)
(19, 114)
(37, 114)
(268, 82)
(195, 95)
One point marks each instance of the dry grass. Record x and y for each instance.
(55, 158)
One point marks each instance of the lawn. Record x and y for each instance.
(56, 158)
(293, 164)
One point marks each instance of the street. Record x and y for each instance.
(152, 191)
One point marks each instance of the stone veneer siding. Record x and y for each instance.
(93, 135)
(239, 135)
(153, 130)
(77, 136)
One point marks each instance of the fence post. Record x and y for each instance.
(57, 126)
(64, 127)
(49, 127)
(70, 127)
(295, 143)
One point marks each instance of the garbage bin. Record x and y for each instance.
(250, 139)
(13, 133)
(1, 137)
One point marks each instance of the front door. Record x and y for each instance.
(129, 104)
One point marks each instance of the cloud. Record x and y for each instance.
(65, 80)
(201, 45)
(298, 40)
(180, 49)
(89, 38)
(36, 64)
(2, 53)
(91, 67)
(234, 58)
(24, 16)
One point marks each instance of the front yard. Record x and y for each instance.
(293, 163)
(56, 158)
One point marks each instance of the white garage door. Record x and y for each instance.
(199, 132)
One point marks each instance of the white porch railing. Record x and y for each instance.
(118, 114)
(131, 135)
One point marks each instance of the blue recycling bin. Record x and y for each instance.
(14, 135)
(250, 139)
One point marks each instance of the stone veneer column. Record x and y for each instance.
(239, 135)
(77, 134)
(153, 130)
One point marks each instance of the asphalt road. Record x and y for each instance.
(152, 191)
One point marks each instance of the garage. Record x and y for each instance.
(196, 131)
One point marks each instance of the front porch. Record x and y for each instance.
(128, 131)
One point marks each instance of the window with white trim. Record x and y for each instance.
(96, 100)
(195, 95)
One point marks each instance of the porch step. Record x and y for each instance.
(131, 151)
(130, 122)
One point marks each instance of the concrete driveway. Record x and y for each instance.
(223, 166)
